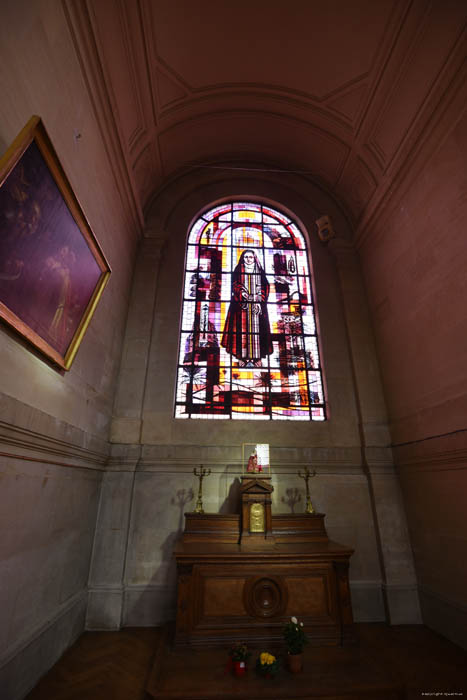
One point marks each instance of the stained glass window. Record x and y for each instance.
(248, 344)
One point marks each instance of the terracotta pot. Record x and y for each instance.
(239, 668)
(295, 662)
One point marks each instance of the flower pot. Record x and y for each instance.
(295, 662)
(239, 668)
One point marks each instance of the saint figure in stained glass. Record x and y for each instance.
(247, 334)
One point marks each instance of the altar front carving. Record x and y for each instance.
(238, 581)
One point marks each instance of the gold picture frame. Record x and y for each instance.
(52, 270)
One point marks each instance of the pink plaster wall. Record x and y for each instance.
(54, 425)
(415, 269)
(416, 276)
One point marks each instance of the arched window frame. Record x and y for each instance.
(218, 378)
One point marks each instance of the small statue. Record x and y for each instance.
(253, 465)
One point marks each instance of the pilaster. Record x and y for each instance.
(399, 583)
(107, 573)
(127, 413)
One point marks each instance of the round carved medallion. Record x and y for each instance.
(265, 596)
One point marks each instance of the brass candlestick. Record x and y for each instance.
(306, 476)
(200, 474)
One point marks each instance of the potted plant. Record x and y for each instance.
(267, 665)
(295, 639)
(239, 655)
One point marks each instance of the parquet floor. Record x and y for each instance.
(117, 665)
(102, 666)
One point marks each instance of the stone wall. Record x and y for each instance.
(150, 483)
(50, 484)
(54, 425)
(415, 275)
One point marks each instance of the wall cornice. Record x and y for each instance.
(444, 452)
(443, 460)
(17, 443)
(32, 435)
(227, 459)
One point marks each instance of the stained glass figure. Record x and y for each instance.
(248, 344)
(247, 334)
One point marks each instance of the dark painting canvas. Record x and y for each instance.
(50, 266)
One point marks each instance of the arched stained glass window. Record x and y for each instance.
(248, 345)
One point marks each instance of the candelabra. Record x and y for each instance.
(306, 476)
(200, 474)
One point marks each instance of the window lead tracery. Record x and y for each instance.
(248, 343)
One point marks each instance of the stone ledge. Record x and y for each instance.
(403, 604)
(104, 611)
(63, 609)
(228, 459)
(27, 433)
(444, 615)
(37, 422)
(24, 664)
(20, 444)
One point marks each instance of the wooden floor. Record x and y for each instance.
(102, 666)
(117, 666)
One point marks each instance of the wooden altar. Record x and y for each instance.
(235, 584)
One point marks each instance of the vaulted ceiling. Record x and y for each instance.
(344, 92)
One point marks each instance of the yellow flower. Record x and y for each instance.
(266, 659)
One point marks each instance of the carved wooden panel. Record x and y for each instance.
(234, 592)
(222, 595)
(310, 594)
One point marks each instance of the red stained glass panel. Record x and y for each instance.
(248, 345)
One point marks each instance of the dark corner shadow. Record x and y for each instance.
(146, 605)
(231, 503)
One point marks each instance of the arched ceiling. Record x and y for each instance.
(343, 92)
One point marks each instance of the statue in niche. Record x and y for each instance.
(253, 463)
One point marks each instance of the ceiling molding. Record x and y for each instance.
(372, 133)
(435, 124)
(261, 96)
(141, 128)
(84, 40)
(328, 152)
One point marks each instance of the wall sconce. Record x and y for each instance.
(325, 229)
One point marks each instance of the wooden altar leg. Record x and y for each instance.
(348, 635)
(183, 623)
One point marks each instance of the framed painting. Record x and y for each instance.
(52, 270)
